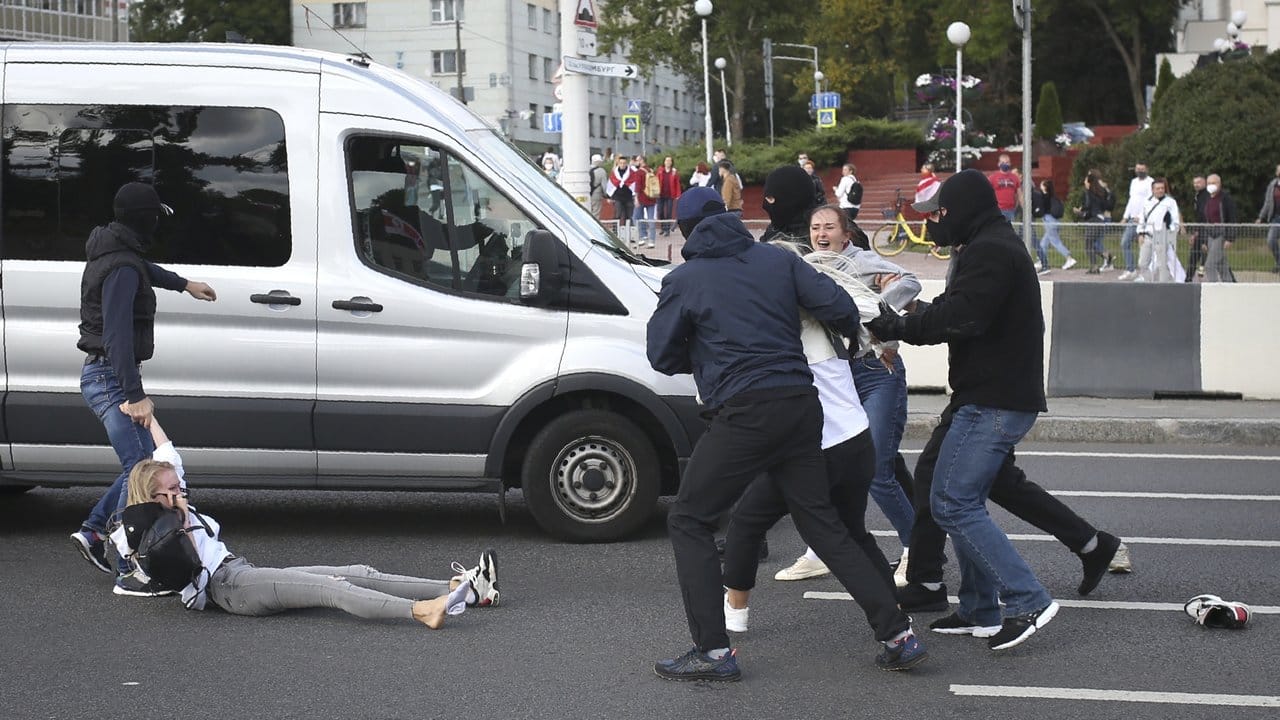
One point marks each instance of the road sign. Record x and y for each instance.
(633, 105)
(630, 123)
(552, 122)
(588, 67)
(585, 15)
(826, 117)
(825, 100)
(558, 91)
(586, 42)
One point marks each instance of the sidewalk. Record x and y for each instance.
(1084, 419)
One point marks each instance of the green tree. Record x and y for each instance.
(1164, 79)
(260, 21)
(1048, 113)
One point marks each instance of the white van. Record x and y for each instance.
(367, 237)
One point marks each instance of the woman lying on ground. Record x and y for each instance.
(240, 588)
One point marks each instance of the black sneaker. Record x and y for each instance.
(91, 548)
(694, 665)
(1020, 627)
(1096, 562)
(764, 548)
(902, 655)
(918, 598)
(953, 624)
(134, 586)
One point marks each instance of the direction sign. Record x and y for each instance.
(585, 15)
(825, 100)
(630, 123)
(826, 117)
(588, 67)
(552, 122)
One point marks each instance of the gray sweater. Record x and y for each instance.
(869, 264)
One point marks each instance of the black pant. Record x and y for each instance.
(865, 574)
(1195, 255)
(778, 431)
(1011, 491)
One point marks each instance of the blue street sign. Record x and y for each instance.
(824, 101)
(634, 106)
(553, 122)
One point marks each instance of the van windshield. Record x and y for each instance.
(507, 156)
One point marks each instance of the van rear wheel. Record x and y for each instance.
(590, 476)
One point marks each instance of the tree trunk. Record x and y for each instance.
(1130, 60)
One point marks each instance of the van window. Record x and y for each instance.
(423, 215)
(223, 170)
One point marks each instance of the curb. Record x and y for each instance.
(1215, 431)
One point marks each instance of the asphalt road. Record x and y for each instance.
(580, 625)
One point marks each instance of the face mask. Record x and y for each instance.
(1141, 175)
(940, 234)
(1213, 189)
(1004, 167)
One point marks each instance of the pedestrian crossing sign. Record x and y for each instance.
(630, 123)
(826, 117)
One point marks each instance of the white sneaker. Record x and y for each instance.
(803, 569)
(1126, 275)
(735, 620)
(900, 575)
(1070, 263)
(1037, 265)
(483, 579)
(652, 244)
(1043, 272)
(1139, 278)
(1121, 562)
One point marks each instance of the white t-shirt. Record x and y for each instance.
(842, 191)
(1139, 193)
(842, 414)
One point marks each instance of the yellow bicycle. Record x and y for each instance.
(894, 236)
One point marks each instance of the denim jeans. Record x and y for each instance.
(1051, 239)
(1273, 241)
(643, 216)
(667, 211)
(884, 398)
(1126, 246)
(991, 570)
(132, 442)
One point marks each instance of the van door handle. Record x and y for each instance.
(357, 305)
(272, 299)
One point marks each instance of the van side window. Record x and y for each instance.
(223, 170)
(423, 215)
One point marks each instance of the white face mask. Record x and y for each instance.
(1213, 189)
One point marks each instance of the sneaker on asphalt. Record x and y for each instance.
(1070, 263)
(1045, 271)
(900, 570)
(1096, 563)
(1018, 628)
(1214, 612)
(803, 569)
(92, 548)
(918, 598)
(735, 620)
(1126, 275)
(652, 245)
(1121, 562)
(1109, 264)
(1037, 265)
(902, 655)
(135, 586)
(953, 624)
(483, 579)
(694, 665)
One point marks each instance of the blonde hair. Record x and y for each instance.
(142, 480)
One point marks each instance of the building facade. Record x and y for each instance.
(1202, 22)
(505, 54)
(64, 20)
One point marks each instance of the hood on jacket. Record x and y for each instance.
(717, 236)
(970, 202)
(114, 237)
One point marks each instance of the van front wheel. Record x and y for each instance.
(590, 476)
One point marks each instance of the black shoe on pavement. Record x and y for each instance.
(953, 624)
(695, 665)
(91, 548)
(902, 655)
(133, 586)
(918, 598)
(1018, 628)
(1096, 562)
(764, 548)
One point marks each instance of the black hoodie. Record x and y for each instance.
(990, 314)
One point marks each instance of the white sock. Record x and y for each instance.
(1090, 546)
(932, 586)
(809, 554)
(898, 638)
(718, 653)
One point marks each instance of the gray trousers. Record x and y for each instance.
(242, 589)
(1153, 258)
(1216, 268)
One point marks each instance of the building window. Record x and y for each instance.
(675, 100)
(548, 69)
(533, 16)
(533, 117)
(446, 11)
(547, 27)
(348, 15)
(591, 124)
(604, 126)
(446, 62)
(533, 66)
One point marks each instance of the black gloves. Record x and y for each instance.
(889, 326)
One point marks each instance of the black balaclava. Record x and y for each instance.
(792, 191)
(137, 206)
(970, 203)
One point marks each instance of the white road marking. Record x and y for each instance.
(1134, 455)
(1162, 496)
(1211, 542)
(1085, 604)
(1142, 696)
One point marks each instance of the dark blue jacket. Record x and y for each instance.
(731, 313)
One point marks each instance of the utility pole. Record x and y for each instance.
(457, 51)
(1023, 16)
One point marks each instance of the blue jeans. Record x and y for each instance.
(132, 442)
(1273, 240)
(991, 570)
(884, 397)
(1051, 239)
(1126, 246)
(666, 211)
(649, 228)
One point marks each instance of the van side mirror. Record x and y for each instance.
(540, 275)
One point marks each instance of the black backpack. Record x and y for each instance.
(162, 546)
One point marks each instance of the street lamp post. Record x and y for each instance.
(703, 9)
(958, 34)
(724, 100)
(818, 77)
